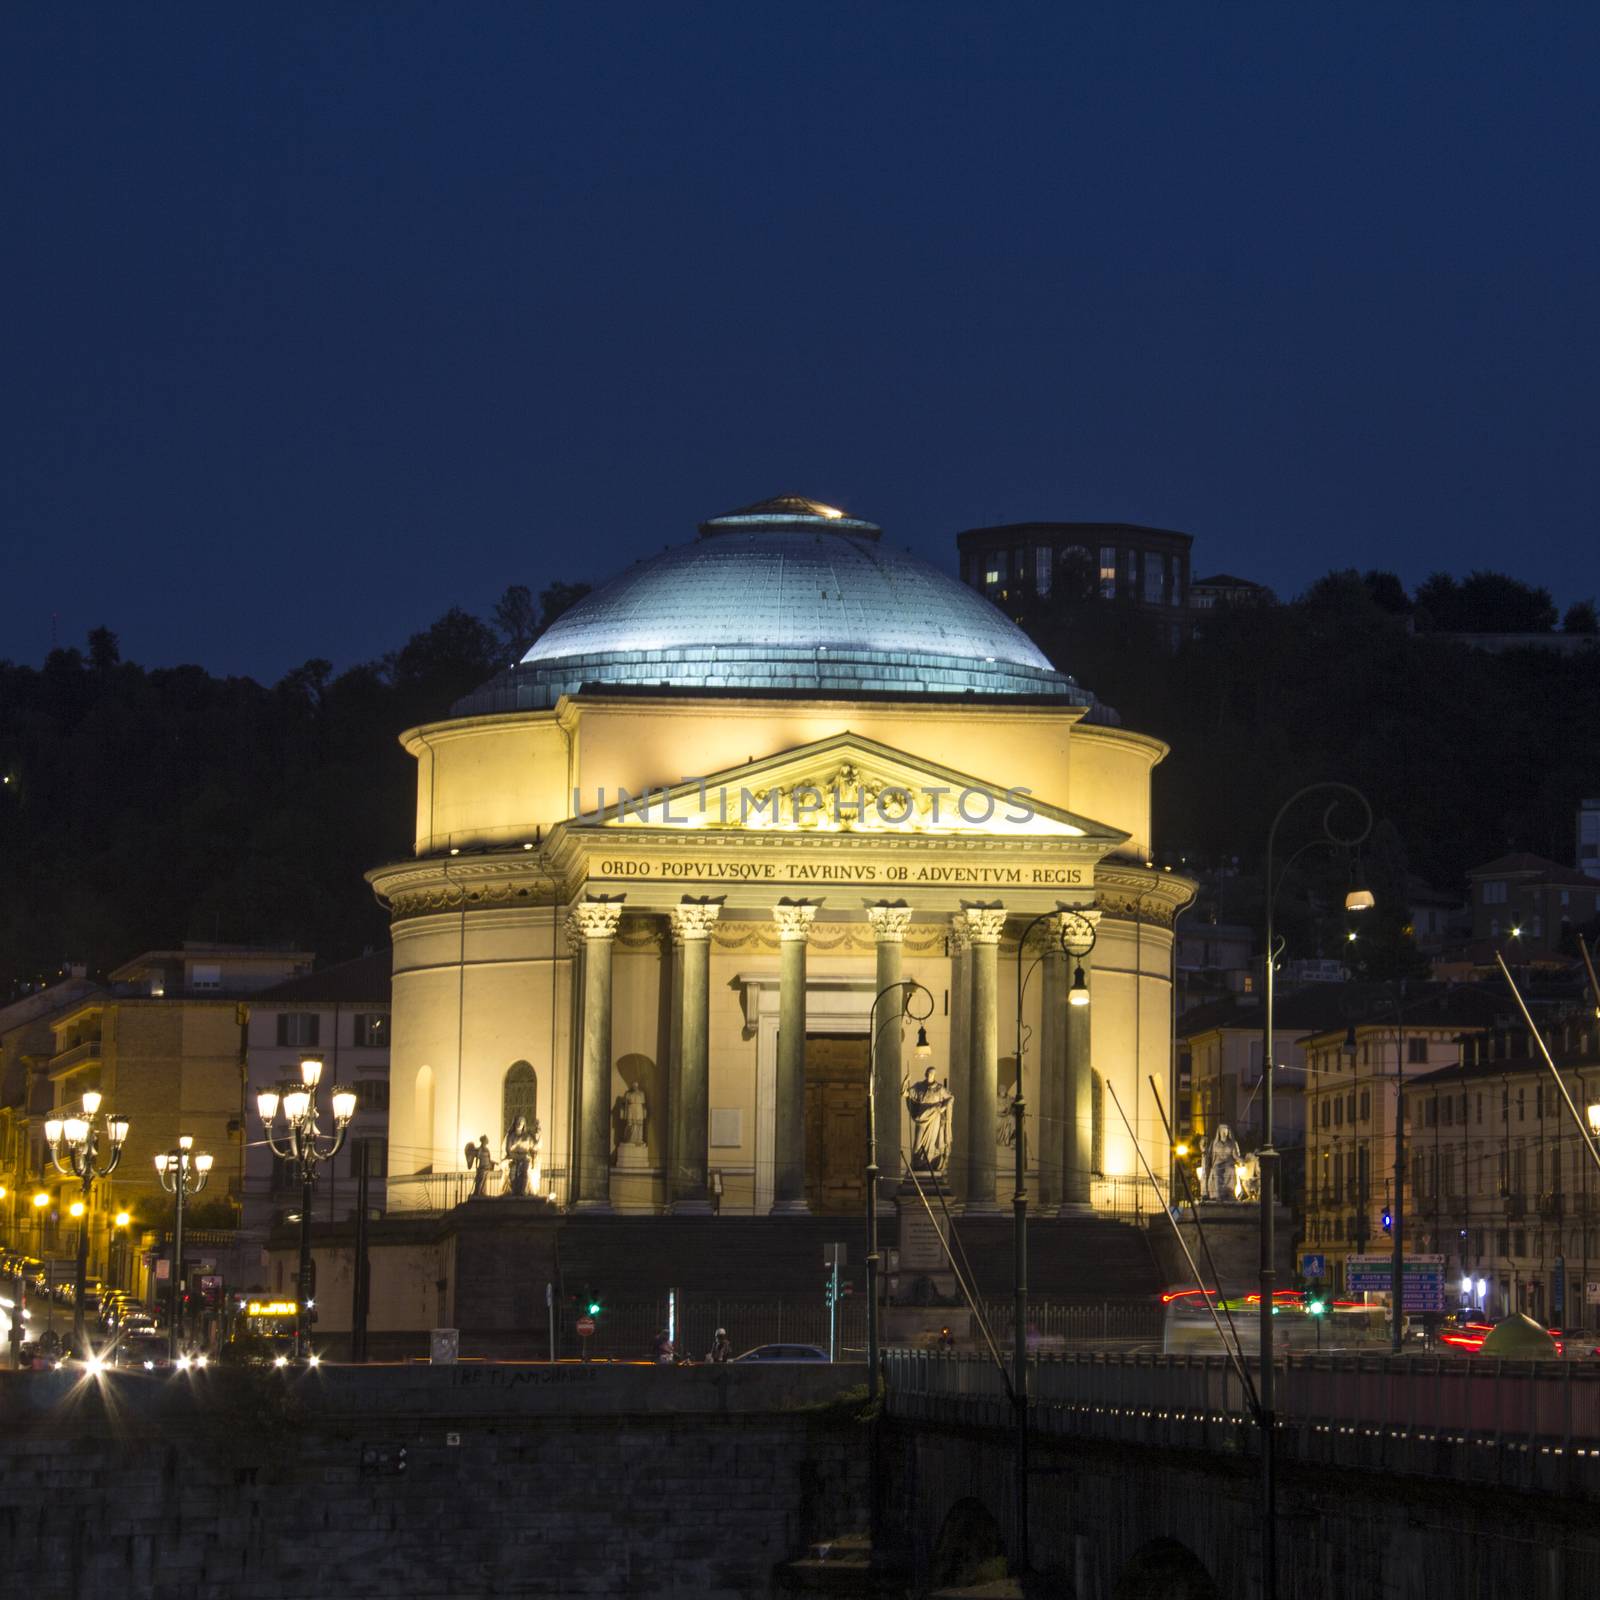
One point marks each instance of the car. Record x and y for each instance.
(783, 1352)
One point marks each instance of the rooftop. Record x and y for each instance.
(786, 594)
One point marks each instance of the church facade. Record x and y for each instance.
(691, 876)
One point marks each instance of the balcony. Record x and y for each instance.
(1552, 1207)
(1516, 1205)
(69, 1061)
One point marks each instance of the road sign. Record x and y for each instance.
(1313, 1266)
(836, 1255)
(1422, 1288)
(1591, 1294)
(585, 1327)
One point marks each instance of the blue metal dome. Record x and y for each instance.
(788, 595)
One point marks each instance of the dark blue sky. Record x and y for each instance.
(318, 320)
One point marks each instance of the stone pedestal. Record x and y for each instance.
(922, 1275)
(1234, 1234)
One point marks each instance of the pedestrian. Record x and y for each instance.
(662, 1349)
(721, 1348)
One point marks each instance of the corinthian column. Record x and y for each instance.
(1052, 1068)
(889, 924)
(960, 1053)
(985, 924)
(595, 922)
(1077, 1111)
(794, 919)
(690, 1085)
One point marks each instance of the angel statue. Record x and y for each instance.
(929, 1103)
(480, 1163)
(522, 1156)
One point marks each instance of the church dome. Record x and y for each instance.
(791, 595)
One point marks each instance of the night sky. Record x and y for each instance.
(317, 320)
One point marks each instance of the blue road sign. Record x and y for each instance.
(1314, 1266)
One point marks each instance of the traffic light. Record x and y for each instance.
(1388, 1220)
(1315, 1304)
(594, 1308)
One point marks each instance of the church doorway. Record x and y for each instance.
(836, 1122)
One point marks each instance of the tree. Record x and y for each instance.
(104, 653)
(517, 618)
(1388, 593)
(559, 598)
(1581, 618)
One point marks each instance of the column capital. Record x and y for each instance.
(1071, 920)
(794, 918)
(889, 919)
(596, 918)
(959, 936)
(986, 920)
(693, 919)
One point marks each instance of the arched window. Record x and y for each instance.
(519, 1096)
(422, 1119)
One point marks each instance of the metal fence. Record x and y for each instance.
(626, 1329)
(1545, 1405)
(1079, 1322)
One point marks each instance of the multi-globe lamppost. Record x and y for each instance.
(85, 1147)
(183, 1172)
(305, 1145)
(1358, 899)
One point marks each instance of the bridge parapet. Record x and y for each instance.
(1528, 1424)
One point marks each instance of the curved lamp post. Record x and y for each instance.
(905, 988)
(183, 1172)
(307, 1146)
(85, 1147)
(1358, 899)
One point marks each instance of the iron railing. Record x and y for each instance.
(626, 1330)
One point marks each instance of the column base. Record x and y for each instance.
(592, 1208)
(789, 1208)
(985, 1208)
(690, 1208)
(1074, 1208)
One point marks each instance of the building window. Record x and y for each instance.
(372, 1030)
(1130, 572)
(1043, 562)
(377, 1157)
(991, 577)
(1416, 1050)
(1494, 892)
(1108, 572)
(1366, 1104)
(519, 1096)
(372, 1094)
(202, 976)
(1153, 579)
(285, 1178)
(298, 1027)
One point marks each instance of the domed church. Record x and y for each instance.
(668, 861)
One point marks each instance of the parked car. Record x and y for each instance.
(784, 1352)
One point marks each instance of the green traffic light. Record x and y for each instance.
(1316, 1307)
(594, 1308)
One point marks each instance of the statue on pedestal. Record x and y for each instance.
(522, 1153)
(929, 1103)
(480, 1163)
(1222, 1165)
(1005, 1119)
(631, 1113)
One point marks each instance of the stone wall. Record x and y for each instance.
(465, 1481)
(1108, 1520)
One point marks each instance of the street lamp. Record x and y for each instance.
(1076, 934)
(305, 1145)
(1357, 900)
(86, 1147)
(905, 988)
(183, 1172)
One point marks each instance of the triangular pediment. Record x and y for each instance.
(847, 784)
